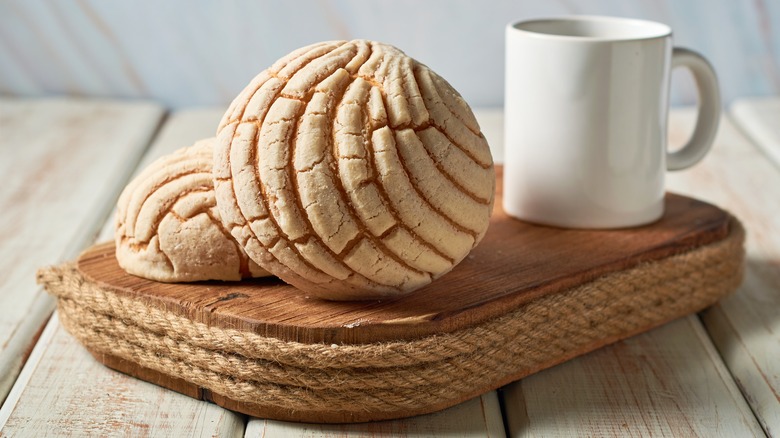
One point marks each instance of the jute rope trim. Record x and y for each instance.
(402, 376)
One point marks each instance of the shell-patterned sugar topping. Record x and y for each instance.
(352, 171)
(168, 227)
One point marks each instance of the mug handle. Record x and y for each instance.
(709, 110)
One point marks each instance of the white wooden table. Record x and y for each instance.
(63, 163)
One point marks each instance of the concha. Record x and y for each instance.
(168, 227)
(352, 171)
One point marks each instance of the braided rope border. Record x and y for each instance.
(336, 383)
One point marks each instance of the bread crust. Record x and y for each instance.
(168, 227)
(352, 171)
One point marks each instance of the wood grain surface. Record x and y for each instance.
(478, 417)
(71, 394)
(745, 327)
(63, 391)
(630, 388)
(667, 382)
(515, 263)
(160, 377)
(54, 198)
(759, 119)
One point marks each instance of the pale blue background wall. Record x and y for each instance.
(193, 53)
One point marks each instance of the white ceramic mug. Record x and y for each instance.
(586, 105)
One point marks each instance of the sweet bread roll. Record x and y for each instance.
(168, 227)
(352, 171)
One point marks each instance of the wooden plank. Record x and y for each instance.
(478, 417)
(254, 307)
(744, 327)
(668, 382)
(68, 393)
(64, 391)
(485, 285)
(759, 119)
(54, 197)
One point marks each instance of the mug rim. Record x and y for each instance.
(653, 30)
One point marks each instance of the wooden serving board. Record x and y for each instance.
(517, 266)
(515, 263)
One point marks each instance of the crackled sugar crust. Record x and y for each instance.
(352, 171)
(168, 227)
